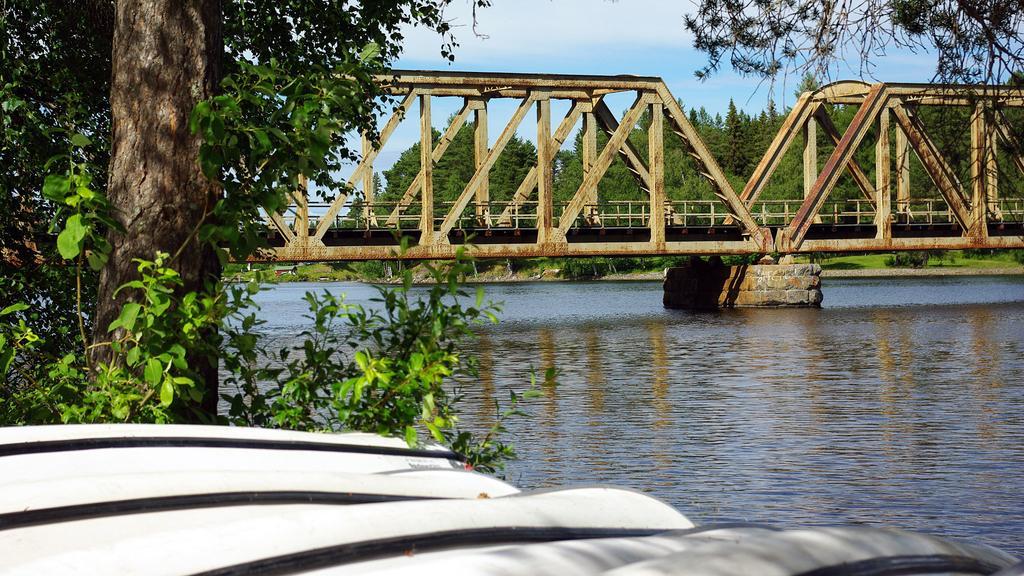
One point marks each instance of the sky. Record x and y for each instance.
(639, 37)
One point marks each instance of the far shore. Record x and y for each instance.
(552, 275)
(930, 271)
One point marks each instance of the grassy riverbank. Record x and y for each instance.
(949, 262)
(938, 263)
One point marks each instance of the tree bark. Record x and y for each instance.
(166, 58)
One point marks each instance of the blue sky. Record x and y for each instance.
(640, 37)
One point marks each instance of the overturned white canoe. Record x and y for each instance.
(130, 499)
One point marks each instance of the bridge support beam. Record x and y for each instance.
(902, 173)
(545, 172)
(656, 160)
(480, 149)
(883, 180)
(707, 285)
(427, 169)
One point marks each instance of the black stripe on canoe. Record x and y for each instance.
(902, 565)
(73, 444)
(329, 556)
(58, 514)
(1015, 570)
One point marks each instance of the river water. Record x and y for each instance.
(900, 403)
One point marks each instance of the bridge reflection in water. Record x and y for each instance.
(973, 213)
(875, 412)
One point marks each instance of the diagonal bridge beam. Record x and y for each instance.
(360, 173)
(483, 169)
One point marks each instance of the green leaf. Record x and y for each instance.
(6, 359)
(80, 140)
(217, 127)
(154, 371)
(126, 319)
(167, 392)
(201, 111)
(369, 52)
(18, 307)
(69, 241)
(75, 226)
(410, 436)
(263, 139)
(362, 360)
(56, 187)
(96, 259)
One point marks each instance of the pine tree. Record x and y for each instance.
(735, 160)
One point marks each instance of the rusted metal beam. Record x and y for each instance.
(389, 128)
(427, 170)
(709, 168)
(368, 192)
(529, 183)
(282, 227)
(892, 244)
(499, 80)
(321, 253)
(979, 162)
(860, 177)
(992, 173)
(854, 92)
(629, 154)
(301, 197)
(481, 173)
(1016, 149)
(604, 160)
(656, 157)
(438, 151)
(480, 149)
(791, 127)
(902, 172)
(810, 155)
(589, 155)
(791, 236)
(934, 164)
(545, 172)
(883, 180)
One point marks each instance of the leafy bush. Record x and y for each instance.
(908, 259)
(396, 370)
(390, 370)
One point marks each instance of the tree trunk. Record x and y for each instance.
(166, 58)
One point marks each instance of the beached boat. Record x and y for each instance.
(140, 499)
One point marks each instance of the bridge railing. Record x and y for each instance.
(628, 214)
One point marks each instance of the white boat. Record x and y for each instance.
(141, 499)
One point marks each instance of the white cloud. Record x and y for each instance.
(517, 29)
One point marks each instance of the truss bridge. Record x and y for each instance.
(971, 203)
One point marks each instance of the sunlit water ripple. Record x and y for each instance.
(901, 403)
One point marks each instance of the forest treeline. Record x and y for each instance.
(737, 140)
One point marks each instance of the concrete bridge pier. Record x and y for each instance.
(710, 284)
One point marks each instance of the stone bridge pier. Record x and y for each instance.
(710, 284)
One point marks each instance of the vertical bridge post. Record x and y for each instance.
(883, 180)
(480, 148)
(427, 169)
(656, 161)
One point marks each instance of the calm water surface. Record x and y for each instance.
(901, 403)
